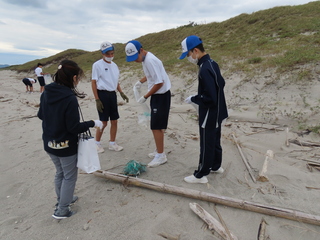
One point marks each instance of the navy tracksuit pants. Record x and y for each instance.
(210, 151)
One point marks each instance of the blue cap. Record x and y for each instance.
(132, 50)
(189, 43)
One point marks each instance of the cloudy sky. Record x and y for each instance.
(32, 29)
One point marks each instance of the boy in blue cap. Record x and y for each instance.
(159, 92)
(212, 108)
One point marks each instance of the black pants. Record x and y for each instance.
(27, 82)
(110, 105)
(210, 151)
(160, 108)
(41, 81)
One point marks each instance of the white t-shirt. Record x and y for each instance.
(155, 73)
(106, 75)
(38, 72)
(32, 80)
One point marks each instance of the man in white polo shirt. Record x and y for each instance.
(40, 74)
(105, 82)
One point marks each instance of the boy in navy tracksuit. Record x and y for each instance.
(212, 108)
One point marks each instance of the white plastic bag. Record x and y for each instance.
(144, 115)
(47, 78)
(88, 158)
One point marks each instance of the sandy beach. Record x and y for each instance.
(263, 115)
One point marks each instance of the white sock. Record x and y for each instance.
(112, 143)
(159, 155)
(98, 143)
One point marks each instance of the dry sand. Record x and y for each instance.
(109, 210)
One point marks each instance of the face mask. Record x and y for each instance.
(108, 59)
(192, 60)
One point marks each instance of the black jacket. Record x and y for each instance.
(210, 98)
(60, 120)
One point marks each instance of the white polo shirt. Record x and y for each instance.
(155, 73)
(106, 75)
(38, 72)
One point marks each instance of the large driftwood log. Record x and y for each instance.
(227, 201)
(213, 224)
(244, 160)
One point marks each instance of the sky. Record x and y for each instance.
(34, 29)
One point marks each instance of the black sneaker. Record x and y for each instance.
(58, 216)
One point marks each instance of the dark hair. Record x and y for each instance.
(200, 47)
(39, 64)
(64, 76)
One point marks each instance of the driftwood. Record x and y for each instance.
(262, 230)
(213, 224)
(26, 117)
(182, 118)
(210, 197)
(6, 100)
(244, 160)
(314, 165)
(222, 222)
(313, 188)
(264, 130)
(262, 174)
(309, 161)
(287, 137)
(304, 144)
(169, 236)
(269, 128)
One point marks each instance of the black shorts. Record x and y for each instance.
(160, 107)
(41, 81)
(27, 82)
(110, 105)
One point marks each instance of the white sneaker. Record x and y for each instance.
(220, 170)
(115, 147)
(158, 160)
(99, 148)
(193, 179)
(152, 155)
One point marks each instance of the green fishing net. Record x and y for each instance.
(134, 168)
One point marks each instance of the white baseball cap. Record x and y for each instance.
(106, 46)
